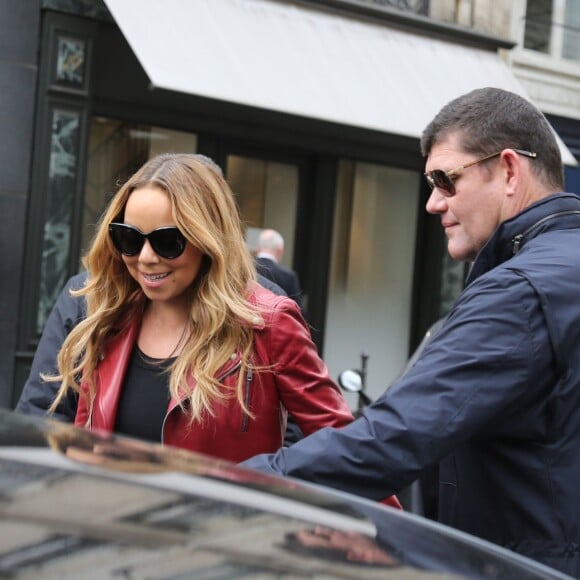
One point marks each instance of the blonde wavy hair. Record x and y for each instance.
(221, 319)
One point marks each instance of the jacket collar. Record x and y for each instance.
(513, 234)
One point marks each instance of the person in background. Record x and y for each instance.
(37, 394)
(269, 253)
(180, 345)
(495, 395)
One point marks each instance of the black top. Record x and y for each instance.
(144, 397)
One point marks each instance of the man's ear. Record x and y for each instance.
(512, 168)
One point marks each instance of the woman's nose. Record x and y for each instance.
(147, 253)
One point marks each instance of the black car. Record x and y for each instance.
(78, 504)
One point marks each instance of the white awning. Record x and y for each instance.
(295, 59)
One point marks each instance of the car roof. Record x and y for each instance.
(82, 504)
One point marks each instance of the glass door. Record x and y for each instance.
(371, 271)
(267, 194)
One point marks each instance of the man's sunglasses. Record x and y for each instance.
(445, 180)
(167, 242)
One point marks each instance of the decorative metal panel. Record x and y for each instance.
(60, 193)
(70, 61)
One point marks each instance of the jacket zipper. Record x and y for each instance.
(220, 378)
(517, 240)
(249, 379)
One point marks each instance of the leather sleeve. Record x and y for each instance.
(302, 379)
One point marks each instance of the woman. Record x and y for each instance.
(180, 345)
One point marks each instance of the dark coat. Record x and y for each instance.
(495, 396)
(37, 395)
(284, 277)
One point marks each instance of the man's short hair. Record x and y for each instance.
(270, 240)
(490, 119)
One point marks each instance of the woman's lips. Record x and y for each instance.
(154, 280)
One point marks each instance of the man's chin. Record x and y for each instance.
(459, 253)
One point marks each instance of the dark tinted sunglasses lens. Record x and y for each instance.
(443, 181)
(127, 240)
(168, 242)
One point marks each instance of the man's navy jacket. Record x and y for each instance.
(495, 397)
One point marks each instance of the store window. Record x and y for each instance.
(571, 32)
(59, 196)
(267, 195)
(416, 6)
(538, 29)
(116, 150)
(371, 271)
(553, 27)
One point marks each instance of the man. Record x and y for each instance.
(268, 256)
(495, 396)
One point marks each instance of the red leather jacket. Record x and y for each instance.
(298, 383)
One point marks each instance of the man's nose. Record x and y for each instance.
(436, 202)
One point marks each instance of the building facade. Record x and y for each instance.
(545, 57)
(313, 110)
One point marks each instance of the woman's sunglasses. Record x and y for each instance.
(445, 180)
(167, 242)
